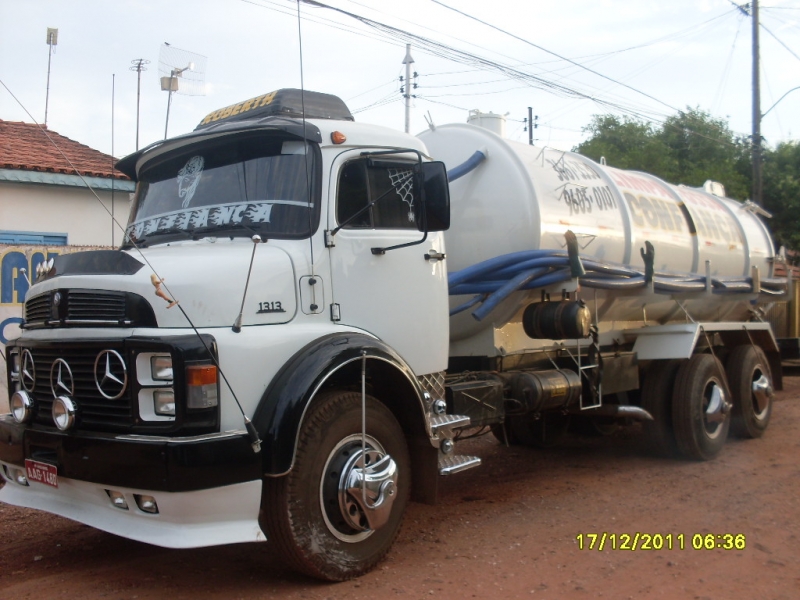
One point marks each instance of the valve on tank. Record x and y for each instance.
(557, 320)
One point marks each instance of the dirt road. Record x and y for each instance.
(509, 529)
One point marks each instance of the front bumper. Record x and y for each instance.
(207, 488)
(139, 461)
(224, 515)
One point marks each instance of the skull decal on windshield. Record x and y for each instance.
(188, 178)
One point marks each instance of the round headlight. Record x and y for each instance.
(21, 406)
(64, 411)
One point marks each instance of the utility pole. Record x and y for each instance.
(757, 180)
(52, 40)
(407, 61)
(138, 66)
(531, 124)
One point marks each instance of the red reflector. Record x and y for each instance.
(201, 375)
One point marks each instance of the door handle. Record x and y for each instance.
(434, 255)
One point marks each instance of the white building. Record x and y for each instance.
(56, 196)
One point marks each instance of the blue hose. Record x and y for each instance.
(468, 165)
(496, 263)
(526, 265)
(494, 280)
(467, 305)
(513, 284)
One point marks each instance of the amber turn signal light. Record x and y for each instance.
(201, 375)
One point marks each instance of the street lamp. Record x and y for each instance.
(779, 99)
(170, 84)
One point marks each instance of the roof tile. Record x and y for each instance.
(29, 147)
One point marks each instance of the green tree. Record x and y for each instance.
(690, 148)
(782, 192)
(626, 143)
(705, 148)
(693, 147)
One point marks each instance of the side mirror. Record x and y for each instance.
(432, 204)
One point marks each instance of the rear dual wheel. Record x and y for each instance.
(701, 407)
(657, 389)
(750, 380)
(335, 515)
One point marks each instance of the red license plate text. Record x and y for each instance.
(41, 472)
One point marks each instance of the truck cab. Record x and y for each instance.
(280, 262)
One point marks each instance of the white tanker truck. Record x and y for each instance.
(305, 316)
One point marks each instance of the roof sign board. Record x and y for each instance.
(282, 103)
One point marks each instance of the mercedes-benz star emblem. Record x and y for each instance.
(61, 381)
(110, 374)
(27, 372)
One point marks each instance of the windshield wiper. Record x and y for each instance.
(144, 241)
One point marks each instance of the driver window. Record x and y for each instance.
(362, 182)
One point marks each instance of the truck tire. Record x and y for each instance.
(750, 380)
(658, 435)
(700, 410)
(318, 526)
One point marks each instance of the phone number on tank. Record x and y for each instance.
(661, 541)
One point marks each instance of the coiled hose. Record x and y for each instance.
(494, 280)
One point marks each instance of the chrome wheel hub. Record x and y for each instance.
(367, 490)
(358, 488)
(762, 393)
(715, 409)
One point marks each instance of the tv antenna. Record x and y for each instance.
(182, 72)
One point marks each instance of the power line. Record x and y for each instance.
(585, 68)
(449, 53)
(569, 60)
(727, 69)
(392, 81)
(747, 10)
(392, 34)
(669, 37)
(775, 37)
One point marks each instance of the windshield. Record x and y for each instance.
(235, 185)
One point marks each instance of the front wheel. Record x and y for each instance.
(335, 515)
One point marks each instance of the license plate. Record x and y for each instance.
(41, 472)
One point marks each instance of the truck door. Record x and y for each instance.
(400, 296)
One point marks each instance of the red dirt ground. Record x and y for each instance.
(507, 529)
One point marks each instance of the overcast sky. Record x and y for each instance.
(646, 57)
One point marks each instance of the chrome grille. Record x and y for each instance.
(95, 305)
(37, 308)
(88, 308)
(95, 411)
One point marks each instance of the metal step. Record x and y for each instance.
(448, 422)
(457, 463)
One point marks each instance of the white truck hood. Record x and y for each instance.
(207, 279)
